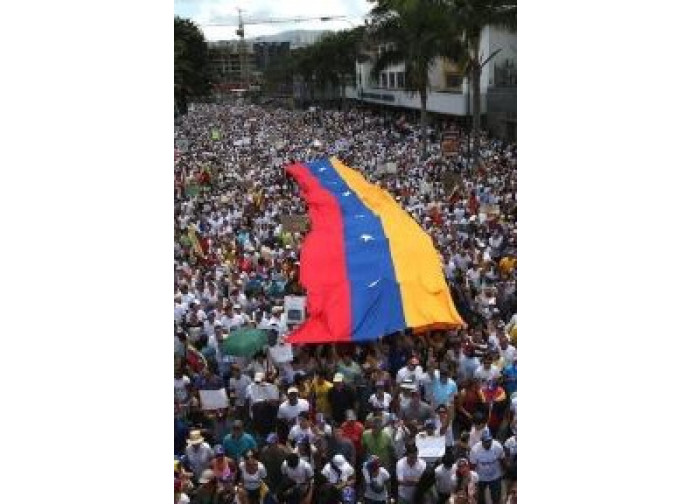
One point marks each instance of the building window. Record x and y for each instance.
(384, 80)
(391, 79)
(453, 81)
(401, 79)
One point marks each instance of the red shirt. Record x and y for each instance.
(353, 431)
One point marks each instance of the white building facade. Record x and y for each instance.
(448, 89)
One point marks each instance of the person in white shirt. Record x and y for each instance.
(339, 472)
(380, 399)
(302, 429)
(199, 453)
(239, 382)
(446, 478)
(487, 372)
(252, 475)
(413, 370)
(298, 476)
(376, 482)
(488, 459)
(409, 470)
(293, 406)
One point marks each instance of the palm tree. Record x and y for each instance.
(471, 17)
(415, 33)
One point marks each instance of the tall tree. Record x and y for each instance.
(191, 71)
(471, 17)
(413, 33)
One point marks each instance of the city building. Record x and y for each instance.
(448, 89)
(267, 52)
(228, 68)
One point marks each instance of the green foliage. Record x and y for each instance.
(414, 33)
(191, 71)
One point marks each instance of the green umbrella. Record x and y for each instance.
(244, 342)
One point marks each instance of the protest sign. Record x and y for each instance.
(213, 399)
(295, 308)
(215, 134)
(450, 143)
(430, 447)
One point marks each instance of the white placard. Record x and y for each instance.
(295, 307)
(281, 354)
(213, 399)
(430, 447)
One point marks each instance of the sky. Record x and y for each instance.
(205, 12)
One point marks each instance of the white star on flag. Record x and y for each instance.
(347, 193)
(366, 237)
(372, 284)
(322, 170)
(359, 216)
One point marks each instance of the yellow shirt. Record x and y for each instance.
(321, 393)
(513, 336)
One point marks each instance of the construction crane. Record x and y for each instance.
(240, 33)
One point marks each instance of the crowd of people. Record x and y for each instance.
(410, 418)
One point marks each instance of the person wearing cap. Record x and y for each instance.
(224, 469)
(261, 395)
(376, 481)
(488, 458)
(292, 406)
(272, 456)
(409, 470)
(199, 453)
(341, 398)
(238, 442)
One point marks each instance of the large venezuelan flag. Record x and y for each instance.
(369, 269)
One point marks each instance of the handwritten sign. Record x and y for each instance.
(430, 447)
(213, 399)
(450, 144)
